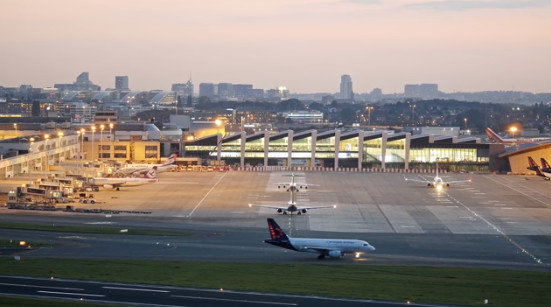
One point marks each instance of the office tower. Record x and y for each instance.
(121, 83)
(346, 92)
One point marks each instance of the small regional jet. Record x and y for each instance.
(292, 206)
(334, 248)
(542, 172)
(117, 183)
(437, 182)
(293, 185)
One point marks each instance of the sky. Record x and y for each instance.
(305, 45)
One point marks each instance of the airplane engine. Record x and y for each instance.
(334, 254)
(303, 210)
(107, 186)
(279, 210)
(447, 184)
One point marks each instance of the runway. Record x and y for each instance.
(153, 295)
(496, 221)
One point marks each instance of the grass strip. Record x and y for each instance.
(89, 229)
(438, 285)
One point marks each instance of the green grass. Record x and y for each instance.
(445, 285)
(95, 230)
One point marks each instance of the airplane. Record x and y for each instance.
(437, 182)
(138, 169)
(495, 137)
(292, 206)
(334, 248)
(293, 185)
(542, 172)
(117, 183)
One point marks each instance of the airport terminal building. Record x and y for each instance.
(348, 149)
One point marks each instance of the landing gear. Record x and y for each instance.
(321, 256)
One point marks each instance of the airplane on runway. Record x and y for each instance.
(293, 185)
(334, 248)
(437, 182)
(542, 172)
(138, 169)
(292, 206)
(117, 183)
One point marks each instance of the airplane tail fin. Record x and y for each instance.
(533, 166)
(276, 233)
(152, 174)
(493, 136)
(544, 164)
(170, 160)
(278, 236)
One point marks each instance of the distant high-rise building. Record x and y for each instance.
(425, 90)
(183, 89)
(346, 92)
(82, 83)
(121, 83)
(207, 89)
(225, 90)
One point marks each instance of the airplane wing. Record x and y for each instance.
(417, 180)
(458, 181)
(287, 207)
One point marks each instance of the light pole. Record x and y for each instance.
(513, 130)
(60, 135)
(78, 145)
(93, 131)
(465, 119)
(82, 131)
(47, 137)
(413, 113)
(30, 161)
(101, 127)
(369, 115)
(110, 139)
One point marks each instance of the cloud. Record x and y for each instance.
(457, 5)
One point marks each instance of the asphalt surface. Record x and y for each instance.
(497, 221)
(150, 295)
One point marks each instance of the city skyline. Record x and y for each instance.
(304, 45)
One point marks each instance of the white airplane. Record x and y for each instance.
(138, 169)
(292, 206)
(437, 182)
(293, 185)
(117, 183)
(334, 248)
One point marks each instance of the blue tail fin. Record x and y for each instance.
(278, 236)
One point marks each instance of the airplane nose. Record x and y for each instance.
(371, 248)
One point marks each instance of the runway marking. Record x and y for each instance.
(204, 197)
(498, 230)
(521, 192)
(232, 300)
(74, 294)
(136, 289)
(43, 287)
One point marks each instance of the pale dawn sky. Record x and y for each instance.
(305, 45)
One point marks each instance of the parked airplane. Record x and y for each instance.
(138, 169)
(292, 206)
(334, 248)
(495, 137)
(117, 183)
(545, 167)
(293, 185)
(542, 172)
(437, 182)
